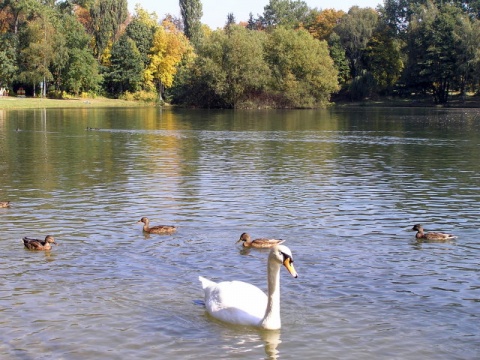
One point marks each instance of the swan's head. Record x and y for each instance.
(283, 255)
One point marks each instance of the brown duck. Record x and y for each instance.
(430, 235)
(159, 229)
(4, 204)
(35, 244)
(261, 243)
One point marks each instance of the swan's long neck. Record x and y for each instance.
(271, 320)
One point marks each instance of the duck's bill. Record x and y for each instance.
(288, 263)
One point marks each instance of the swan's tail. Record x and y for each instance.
(205, 282)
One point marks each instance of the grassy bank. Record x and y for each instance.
(8, 102)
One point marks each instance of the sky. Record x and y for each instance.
(215, 11)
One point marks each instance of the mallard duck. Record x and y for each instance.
(261, 243)
(159, 229)
(430, 235)
(4, 204)
(241, 303)
(35, 244)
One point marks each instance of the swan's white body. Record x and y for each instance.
(241, 303)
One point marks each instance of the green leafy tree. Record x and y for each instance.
(141, 30)
(8, 59)
(107, 17)
(244, 75)
(59, 58)
(81, 73)
(125, 72)
(304, 73)
(287, 13)
(467, 42)
(38, 52)
(383, 59)
(433, 54)
(191, 11)
(221, 75)
(142, 34)
(337, 53)
(355, 31)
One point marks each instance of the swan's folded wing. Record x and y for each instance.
(236, 302)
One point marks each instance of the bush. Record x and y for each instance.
(146, 96)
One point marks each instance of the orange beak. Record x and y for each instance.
(288, 263)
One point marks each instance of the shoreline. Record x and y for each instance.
(14, 103)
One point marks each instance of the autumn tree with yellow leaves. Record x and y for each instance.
(170, 48)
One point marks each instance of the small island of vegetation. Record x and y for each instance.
(414, 53)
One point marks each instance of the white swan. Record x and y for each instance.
(241, 303)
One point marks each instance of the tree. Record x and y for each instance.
(355, 30)
(433, 54)
(221, 76)
(382, 59)
(303, 70)
(337, 53)
(107, 17)
(17, 11)
(80, 73)
(244, 75)
(169, 48)
(287, 13)
(142, 34)
(253, 24)
(8, 59)
(230, 19)
(38, 38)
(125, 72)
(191, 11)
(324, 23)
(467, 35)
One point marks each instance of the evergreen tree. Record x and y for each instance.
(230, 19)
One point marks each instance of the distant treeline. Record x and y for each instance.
(291, 56)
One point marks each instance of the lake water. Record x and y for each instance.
(343, 187)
